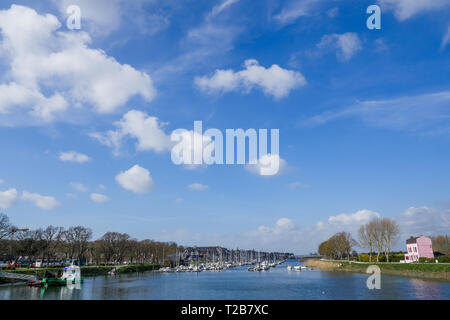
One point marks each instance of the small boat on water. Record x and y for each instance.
(71, 275)
(289, 268)
(297, 268)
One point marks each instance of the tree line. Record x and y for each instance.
(378, 235)
(75, 243)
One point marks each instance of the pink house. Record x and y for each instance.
(418, 247)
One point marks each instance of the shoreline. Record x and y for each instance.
(427, 271)
(86, 271)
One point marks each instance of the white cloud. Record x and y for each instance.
(101, 16)
(274, 81)
(424, 220)
(136, 179)
(421, 113)
(42, 202)
(446, 38)
(221, 7)
(51, 70)
(179, 200)
(333, 12)
(405, 9)
(358, 218)
(345, 44)
(197, 187)
(73, 156)
(99, 198)
(78, 186)
(8, 198)
(268, 165)
(294, 10)
(147, 130)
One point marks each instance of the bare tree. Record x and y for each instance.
(366, 238)
(50, 239)
(390, 233)
(6, 228)
(77, 239)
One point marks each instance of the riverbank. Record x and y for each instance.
(436, 271)
(86, 271)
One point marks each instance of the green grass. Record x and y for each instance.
(88, 270)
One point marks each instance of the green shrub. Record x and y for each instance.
(393, 257)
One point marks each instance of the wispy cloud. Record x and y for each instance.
(405, 9)
(346, 45)
(294, 10)
(40, 201)
(197, 186)
(445, 39)
(427, 113)
(221, 7)
(78, 186)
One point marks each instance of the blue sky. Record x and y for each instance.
(365, 133)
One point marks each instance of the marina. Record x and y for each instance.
(235, 283)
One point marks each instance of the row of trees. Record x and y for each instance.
(76, 243)
(378, 235)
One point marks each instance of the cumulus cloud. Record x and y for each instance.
(359, 217)
(197, 186)
(405, 9)
(51, 70)
(136, 179)
(78, 186)
(8, 198)
(42, 202)
(147, 130)
(73, 156)
(345, 44)
(99, 198)
(274, 81)
(268, 165)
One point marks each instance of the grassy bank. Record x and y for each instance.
(85, 271)
(438, 271)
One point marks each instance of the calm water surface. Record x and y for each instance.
(278, 283)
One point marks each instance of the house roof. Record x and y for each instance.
(411, 240)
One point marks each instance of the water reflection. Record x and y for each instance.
(278, 283)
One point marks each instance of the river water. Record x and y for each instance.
(277, 283)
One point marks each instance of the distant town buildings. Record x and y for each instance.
(418, 247)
